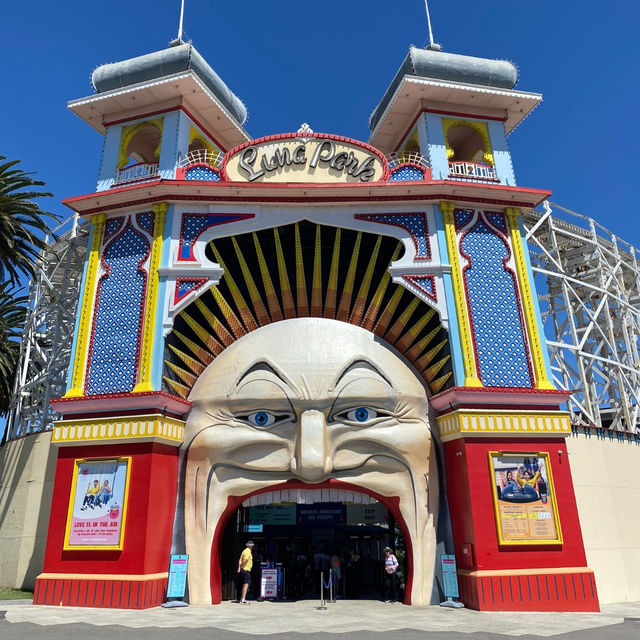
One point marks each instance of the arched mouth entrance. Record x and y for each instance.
(301, 532)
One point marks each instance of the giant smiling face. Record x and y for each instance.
(309, 400)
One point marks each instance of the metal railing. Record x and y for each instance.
(397, 159)
(140, 171)
(201, 156)
(471, 170)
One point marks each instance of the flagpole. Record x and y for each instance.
(432, 45)
(182, 19)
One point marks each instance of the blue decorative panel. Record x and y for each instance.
(113, 357)
(406, 173)
(462, 218)
(202, 173)
(112, 226)
(193, 224)
(426, 284)
(145, 221)
(499, 337)
(184, 286)
(497, 220)
(414, 223)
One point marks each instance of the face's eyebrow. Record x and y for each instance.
(263, 365)
(361, 364)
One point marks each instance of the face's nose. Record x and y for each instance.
(311, 461)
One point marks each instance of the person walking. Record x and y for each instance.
(390, 576)
(244, 569)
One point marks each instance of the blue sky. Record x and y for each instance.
(329, 63)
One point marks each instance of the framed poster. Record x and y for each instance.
(524, 499)
(98, 504)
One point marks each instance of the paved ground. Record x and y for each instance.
(293, 620)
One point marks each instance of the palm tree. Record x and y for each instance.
(13, 310)
(23, 224)
(24, 227)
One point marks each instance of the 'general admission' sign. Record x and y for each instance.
(295, 157)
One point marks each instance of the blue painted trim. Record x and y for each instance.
(536, 306)
(437, 149)
(450, 300)
(501, 153)
(109, 161)
(182, 136)
(169, 150)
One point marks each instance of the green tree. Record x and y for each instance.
(23, 224)
(24, 227)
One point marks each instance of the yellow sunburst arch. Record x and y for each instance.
(305, 269)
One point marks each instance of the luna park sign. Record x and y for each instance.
(298, 158)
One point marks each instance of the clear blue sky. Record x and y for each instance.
(328, 63)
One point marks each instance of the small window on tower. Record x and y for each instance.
(144, 146)
(468, 149)
(466, 145)
(139, 153)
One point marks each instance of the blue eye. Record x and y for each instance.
(261, 419)
(361, 414)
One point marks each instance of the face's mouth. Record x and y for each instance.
(218, 492)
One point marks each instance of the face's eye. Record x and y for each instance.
(361, 415)
(262, 419)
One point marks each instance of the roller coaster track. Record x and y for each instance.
(588, 286)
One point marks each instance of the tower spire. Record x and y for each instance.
(182, 19)
(178, 40)
(433, 46)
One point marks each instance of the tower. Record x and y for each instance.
(457, 111)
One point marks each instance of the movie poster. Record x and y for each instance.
(97, 508)
(524, 499)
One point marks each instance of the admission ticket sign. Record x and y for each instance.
(98, 503)
(524, 499)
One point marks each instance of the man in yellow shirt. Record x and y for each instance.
(244, 569)
(92, 494)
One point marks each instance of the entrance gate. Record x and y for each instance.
(302, 540)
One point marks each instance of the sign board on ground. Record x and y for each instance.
(269, 583)
(177, 576)
(449, 576)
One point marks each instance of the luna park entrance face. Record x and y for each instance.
(337, 542)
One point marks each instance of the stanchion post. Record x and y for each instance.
(322, 602)
(331, 598)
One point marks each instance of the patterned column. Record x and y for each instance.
(86, 310)
(151, 302)
(471, 378)
(537, 356)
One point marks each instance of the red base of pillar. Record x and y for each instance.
(116, 593)
(529, 592)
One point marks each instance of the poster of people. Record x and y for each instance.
(98, 504)
(524, 499)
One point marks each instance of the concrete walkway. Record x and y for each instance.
(265, 618)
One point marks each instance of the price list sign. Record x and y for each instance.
(177, 576)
